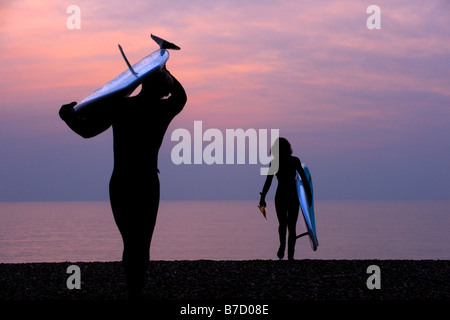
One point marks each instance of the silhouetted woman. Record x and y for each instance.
(139, 124)
(287, 203)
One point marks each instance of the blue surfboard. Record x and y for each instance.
(125, 83)
(307, 208)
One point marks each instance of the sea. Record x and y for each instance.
(225, 230)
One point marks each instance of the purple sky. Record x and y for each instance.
(367, 110)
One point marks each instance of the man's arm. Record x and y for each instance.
(177, 100)
(87, 127)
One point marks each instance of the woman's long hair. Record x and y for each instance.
(281, 148)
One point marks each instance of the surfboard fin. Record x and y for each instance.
(164, 44)
(128, 63)
(263, 211)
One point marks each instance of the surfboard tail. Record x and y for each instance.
(307, 210)
(164, 44)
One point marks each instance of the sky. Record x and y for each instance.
(367, 110)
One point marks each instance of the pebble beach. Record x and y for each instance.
(252, 281)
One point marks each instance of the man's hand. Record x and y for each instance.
(158, 85)
(66, 110)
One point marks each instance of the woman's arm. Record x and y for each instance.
(305, 180)
(266, 187)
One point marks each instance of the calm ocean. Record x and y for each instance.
(225, 230)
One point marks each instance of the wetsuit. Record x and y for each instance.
(287, 203)
(139, 124)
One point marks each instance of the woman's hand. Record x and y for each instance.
(262, 200)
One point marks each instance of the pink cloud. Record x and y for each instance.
(279, 62)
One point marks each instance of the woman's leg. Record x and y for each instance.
(292, 218)
(281, 210)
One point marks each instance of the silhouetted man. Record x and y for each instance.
(139, 124)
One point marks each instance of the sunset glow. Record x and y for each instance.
(368, 108)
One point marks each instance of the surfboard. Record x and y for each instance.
(307, 208)
(125, 83)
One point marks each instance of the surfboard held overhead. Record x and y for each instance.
(127, 81)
